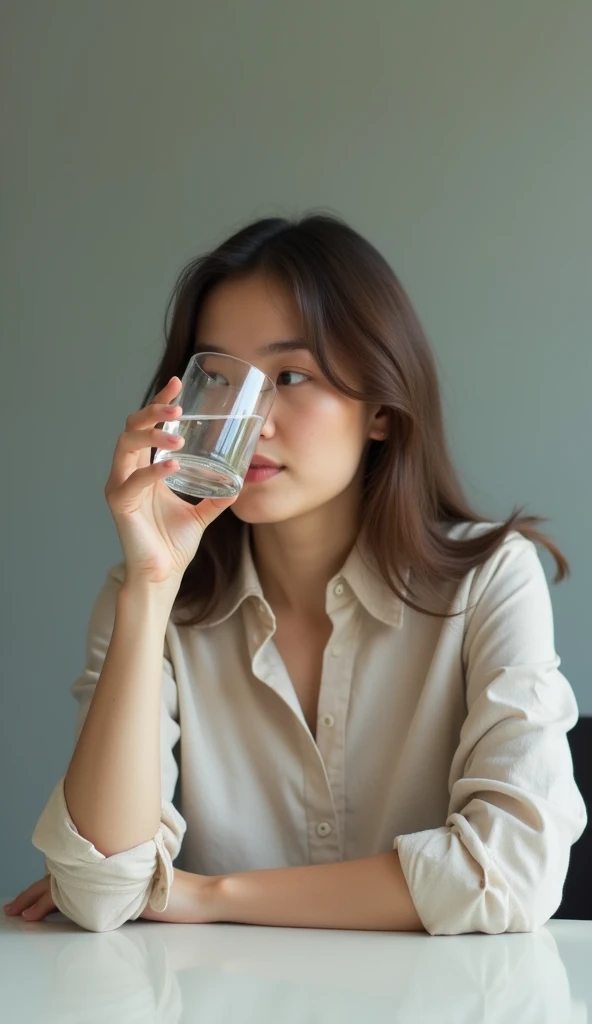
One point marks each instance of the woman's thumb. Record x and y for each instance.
(210, 508)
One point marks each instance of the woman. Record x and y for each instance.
(360, 669)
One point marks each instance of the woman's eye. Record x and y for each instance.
(292, 373)
(219, 378)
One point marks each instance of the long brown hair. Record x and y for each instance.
(357, 314)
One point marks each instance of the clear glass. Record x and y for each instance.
(225, 402)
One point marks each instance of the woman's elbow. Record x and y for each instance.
(97, 911)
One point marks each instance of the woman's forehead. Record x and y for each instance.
(253, 307)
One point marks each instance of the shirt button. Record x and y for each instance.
(339, 589)
(323, 828)
(329, 721)
(336, 651)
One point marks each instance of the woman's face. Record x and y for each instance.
(313, 431)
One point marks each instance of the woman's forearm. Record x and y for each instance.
(370, 893)
(112, 785)
(366, 894)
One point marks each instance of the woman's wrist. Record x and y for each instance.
(193, 899)
(213, 901)
(148, 597)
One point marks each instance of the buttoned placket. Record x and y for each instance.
(323, 759)
(323, 832)
(334, 694)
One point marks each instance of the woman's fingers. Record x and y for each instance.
(128, 493)
(132, 450)
(169, 391)
(133, 441)
(28, 897)
(151, 414)
(40, 909)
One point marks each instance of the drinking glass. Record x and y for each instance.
(225, 402)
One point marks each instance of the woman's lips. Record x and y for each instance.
(257, 474)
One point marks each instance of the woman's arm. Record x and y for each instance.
(112, 786)
(97, 892)
(368, 894)
(500, 860)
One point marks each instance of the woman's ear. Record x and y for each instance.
(378, 426)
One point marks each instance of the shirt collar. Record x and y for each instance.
(359, 571)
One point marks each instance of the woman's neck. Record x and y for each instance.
(296, 559)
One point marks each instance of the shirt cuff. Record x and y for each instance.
(452, 891)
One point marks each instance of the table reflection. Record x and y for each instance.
(148, 972)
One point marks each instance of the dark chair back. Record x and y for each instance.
(577, 893)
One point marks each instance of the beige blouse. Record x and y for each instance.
(443, 739)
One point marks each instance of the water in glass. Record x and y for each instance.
(216, 454)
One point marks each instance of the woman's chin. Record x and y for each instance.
(253, 517)
(251, 508)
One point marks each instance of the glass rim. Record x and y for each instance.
(269, 386)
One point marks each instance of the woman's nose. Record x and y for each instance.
(268, 428)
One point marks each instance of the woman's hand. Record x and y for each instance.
(159, 532)
(191, 901)
(33, 903)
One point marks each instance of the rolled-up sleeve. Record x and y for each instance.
(499, 862)
(97, 892)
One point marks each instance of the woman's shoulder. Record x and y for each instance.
(470, 531)
(514, 561)
(514, 543)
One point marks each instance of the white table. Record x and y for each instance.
(222, 974)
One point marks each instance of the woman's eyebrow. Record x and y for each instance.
(291, 345)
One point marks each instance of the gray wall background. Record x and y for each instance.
(456, 135)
